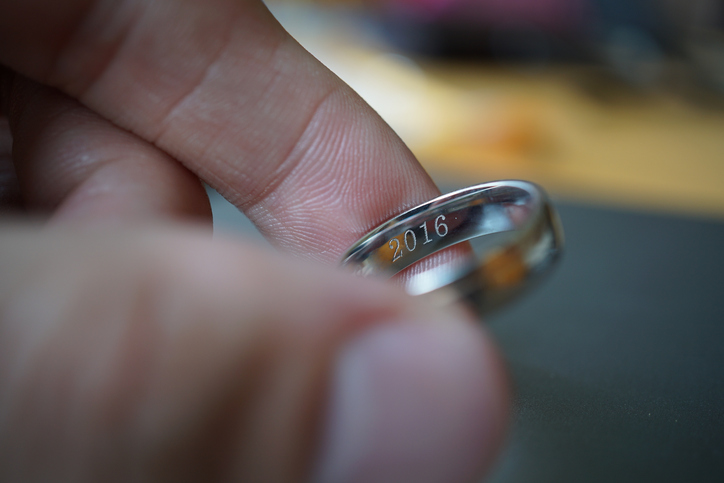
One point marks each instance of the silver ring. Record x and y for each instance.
(519, 238)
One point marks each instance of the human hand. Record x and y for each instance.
(134, 347)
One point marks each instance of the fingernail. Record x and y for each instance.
(413, 402)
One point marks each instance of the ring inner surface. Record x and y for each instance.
(443, 222)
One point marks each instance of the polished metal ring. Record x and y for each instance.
(517, 235)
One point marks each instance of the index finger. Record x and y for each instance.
(225, 90)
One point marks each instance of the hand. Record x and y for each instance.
(134, 347)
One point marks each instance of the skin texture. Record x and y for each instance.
(228, 93)
(135, 347)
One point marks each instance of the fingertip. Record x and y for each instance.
(414, 402)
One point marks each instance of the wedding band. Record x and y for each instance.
(514, 224)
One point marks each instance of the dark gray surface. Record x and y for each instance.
(618, 358)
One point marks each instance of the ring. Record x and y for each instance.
(519, 238)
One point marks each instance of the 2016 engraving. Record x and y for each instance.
(410, 238)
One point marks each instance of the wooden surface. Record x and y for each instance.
(641, 149)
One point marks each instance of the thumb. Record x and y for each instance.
(164, 355)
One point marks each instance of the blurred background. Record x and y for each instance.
(616, 107)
